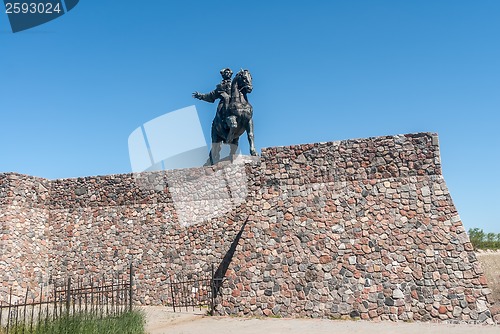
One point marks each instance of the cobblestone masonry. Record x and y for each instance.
(357, 228)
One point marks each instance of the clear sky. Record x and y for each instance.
(73, 90)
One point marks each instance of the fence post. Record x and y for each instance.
(8, 313)
(172, 291)
(131, 283)
(40, 307)
(212, 283)
(68, 291)
(25, 306)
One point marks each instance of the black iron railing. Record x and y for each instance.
(94, 296)
(196, 293)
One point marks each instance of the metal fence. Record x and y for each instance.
(196, 293)
(94, 297)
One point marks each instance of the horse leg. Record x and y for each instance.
(232, 124)
(215, 152)
(249, 130)
(233, 147)
(214, 155)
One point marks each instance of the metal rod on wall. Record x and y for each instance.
(131, 282)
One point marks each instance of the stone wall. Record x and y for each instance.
(25, 244)
(357, 228)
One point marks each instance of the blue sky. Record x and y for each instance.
(72, 90)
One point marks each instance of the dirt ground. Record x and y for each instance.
(162, 320)
(490, 262)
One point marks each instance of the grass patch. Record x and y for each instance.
(126, 323)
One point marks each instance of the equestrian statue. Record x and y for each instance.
(234, 113)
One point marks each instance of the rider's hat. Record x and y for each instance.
(226, 69)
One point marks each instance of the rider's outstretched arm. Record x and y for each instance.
(209, 97)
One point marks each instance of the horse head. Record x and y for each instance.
(244, 80)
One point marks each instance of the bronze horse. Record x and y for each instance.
(234, 118)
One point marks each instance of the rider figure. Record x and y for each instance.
(222, 92)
